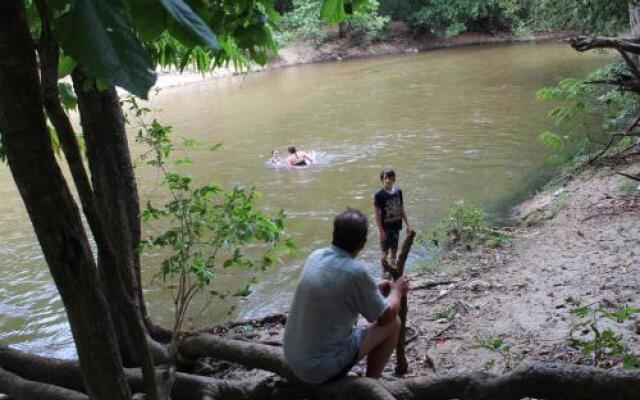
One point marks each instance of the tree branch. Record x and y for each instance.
(402, 366)
(583, 43)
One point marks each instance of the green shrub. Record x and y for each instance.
(465, 225)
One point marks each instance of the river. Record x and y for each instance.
(454, 124)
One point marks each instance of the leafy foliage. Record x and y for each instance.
(602, 342)
(588, 113)
(446, 313)
(465, 225)
(499, 346)
(307, 20)
(452, 17)
(203, 229)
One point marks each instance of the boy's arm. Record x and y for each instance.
(378, 213)
(406, 220)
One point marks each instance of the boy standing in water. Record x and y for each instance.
(389, 212)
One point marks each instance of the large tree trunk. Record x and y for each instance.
(118, 208)
(50, 206)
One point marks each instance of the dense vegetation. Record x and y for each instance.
(447, 18)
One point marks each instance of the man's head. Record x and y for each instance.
(388, 178)
(350, 230)
(291, 150)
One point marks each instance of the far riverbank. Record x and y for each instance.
(400, 41)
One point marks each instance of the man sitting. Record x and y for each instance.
(321, 340)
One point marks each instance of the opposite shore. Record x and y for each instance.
(400, 41)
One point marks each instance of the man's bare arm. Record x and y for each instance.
(378, 214)
(399, 289)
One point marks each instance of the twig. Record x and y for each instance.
(431, 285)
(634, 177)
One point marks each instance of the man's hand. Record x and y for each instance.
(385, 287)
(401, 285)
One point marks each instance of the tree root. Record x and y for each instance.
(62, 378)
(19, 388)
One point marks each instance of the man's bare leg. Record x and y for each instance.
(377, 345)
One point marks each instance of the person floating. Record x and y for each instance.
(321, 340)
(389, 213)
(299, 158)
(275, 157)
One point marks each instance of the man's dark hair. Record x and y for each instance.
(291, 149)
(387, 172)
(350, 230)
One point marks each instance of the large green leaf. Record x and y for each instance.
(190, 23)
(98, 35)
(149, 18)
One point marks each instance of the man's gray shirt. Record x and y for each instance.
(320, 338)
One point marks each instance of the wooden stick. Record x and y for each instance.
(402, 367)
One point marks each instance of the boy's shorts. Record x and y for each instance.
(391, 241)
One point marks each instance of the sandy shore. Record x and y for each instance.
(490, 309)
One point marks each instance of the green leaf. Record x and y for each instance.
(99, 36)
(149, 17)
(68, 98)
(332, 11)
(190, 24)
(66, 65)
(551, 140)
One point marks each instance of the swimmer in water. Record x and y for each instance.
(298, 158)
(275, 157)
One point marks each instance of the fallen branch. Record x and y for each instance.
(402, 366)
(583, 43)
(431, 285)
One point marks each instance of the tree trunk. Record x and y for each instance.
(118, 209)
(634, 20)
(51, 208)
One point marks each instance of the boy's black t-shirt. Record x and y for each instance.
(390, 205)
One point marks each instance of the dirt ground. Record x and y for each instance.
(490, 309)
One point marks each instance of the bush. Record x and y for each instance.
(465, 225)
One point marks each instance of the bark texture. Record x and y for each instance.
(116, 200)
(402, 366)
(51, 208)
(530, 380)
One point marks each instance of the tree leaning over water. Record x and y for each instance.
(119, 347)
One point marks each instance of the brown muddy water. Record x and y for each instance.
(454, 124)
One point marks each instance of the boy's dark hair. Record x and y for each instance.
(291, 149)
(387, 172)
(350, 230)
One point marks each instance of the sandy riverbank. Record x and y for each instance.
(579, 242)
(399, 41)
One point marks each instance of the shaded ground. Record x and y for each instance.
(492, 308)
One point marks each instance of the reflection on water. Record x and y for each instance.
(454, 124)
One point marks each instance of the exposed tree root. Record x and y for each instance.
(541, 381)
(19, 388)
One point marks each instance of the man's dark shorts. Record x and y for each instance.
(391, 241)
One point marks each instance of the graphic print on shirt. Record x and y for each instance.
(392, 211)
